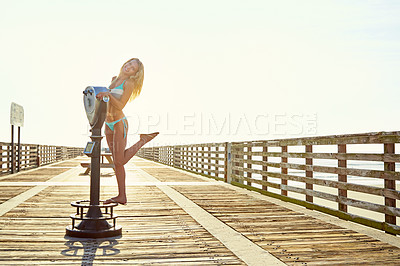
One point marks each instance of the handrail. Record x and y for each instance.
(290, 170)
(29, 156)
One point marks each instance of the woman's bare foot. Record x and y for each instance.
(148, 137)
(119, 200)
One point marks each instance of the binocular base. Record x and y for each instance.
(73, 232)
(94, 222)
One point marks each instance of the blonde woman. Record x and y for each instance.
(124, 88)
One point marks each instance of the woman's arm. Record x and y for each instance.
(119, 103)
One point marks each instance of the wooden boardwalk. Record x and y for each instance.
(175, 218)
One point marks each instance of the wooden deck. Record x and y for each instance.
(177, 218)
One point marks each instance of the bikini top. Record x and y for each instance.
(118, 91)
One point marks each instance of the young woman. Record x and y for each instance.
(124, 88)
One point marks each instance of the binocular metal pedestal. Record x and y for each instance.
(93, 222)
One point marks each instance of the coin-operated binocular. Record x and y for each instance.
(90, 221)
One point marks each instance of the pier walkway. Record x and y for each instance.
(175, 217)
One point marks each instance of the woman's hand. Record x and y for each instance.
(100, 95)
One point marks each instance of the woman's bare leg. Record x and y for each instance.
(119, 144)
(131, 151)
(121, 156)
(109, 137)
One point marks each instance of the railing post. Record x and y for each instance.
(309, 161)
(389, 184)
(284, 170)
(342, 178)
(170, 155)
(249, 157)
(216, 162)
(189, 156)
(202, 149)
(265, 168)
(235, 156)
(176, 156)
(241, 164)
(209, 160)
(186, 157)
(192, 158)
(196, 158)
(38, 156)
(59, 153)
(228, 162)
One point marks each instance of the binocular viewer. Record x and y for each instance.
(95, 108)
(90, 221)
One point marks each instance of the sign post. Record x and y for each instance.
(16, 119)
(12, 150)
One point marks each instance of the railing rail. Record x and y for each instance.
(28, 156)
(350, 176)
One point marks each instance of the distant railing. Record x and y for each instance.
(350, 176)
(29, 156)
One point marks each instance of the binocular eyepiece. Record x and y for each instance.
(95, 108)
(89, 91)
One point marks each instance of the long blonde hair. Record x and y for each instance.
(137, 78)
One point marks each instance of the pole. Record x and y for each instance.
(95, 168)
(19, 150)
(12, 149)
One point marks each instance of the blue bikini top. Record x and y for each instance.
(118, 91)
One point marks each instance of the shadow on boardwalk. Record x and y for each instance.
(89, 249)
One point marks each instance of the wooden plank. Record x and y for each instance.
(342, 178)
(352, 202)
(202, 145)
(309, 174)
(195, 157)
(208, 170)
(203, 163)
(389, 175)
(296, 239)
(371, 138)
(208, 152)
(389, 184)
(265, 168)
(154, 227)
(102, 165)
(391, 193)
(284, 170)
(249, 166)
(333, 156)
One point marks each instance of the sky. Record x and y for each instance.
(215, 71)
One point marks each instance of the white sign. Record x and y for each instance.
(17, 115)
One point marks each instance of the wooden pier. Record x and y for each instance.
(350, 176)
(175, 217)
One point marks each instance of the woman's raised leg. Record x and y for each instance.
(131, 151)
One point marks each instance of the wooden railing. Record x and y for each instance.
(28, 156)
(350, 176)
